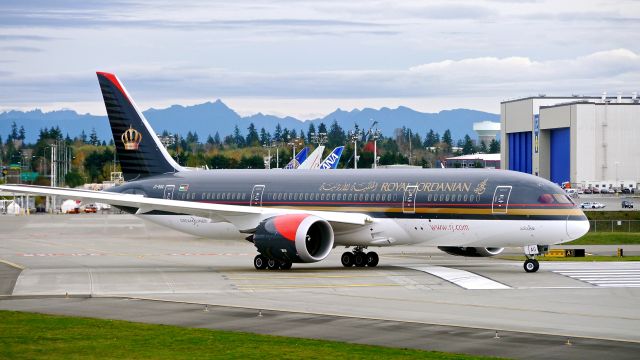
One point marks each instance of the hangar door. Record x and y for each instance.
(520, 152)
(560, 155)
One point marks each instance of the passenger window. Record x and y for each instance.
(295, 196)
(395, 196)
(339, 197)
(366, 197)
(459, 197)
(384, 197)
(446, 198)
(360, 197)
(322, 197)
(377, 197)
(465, 197)
(279, 196)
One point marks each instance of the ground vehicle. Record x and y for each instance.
(627, 190)
(626, 204)
(588, 191)
(592, 205)
(91, 208)
(572, 192)
(609, 190)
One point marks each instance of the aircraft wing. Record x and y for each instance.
(245, 218)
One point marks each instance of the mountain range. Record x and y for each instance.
(211, 117)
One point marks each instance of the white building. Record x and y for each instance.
(586, 141)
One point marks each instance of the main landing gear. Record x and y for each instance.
(261, 262)
(359, 258)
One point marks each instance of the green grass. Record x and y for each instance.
(586, 258)
(613, 215)
(37, 336)
(607, 238)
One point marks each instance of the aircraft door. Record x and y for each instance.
(409, 200)
(256, 195)
(500, 202)
(168, 192)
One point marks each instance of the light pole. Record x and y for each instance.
(355, 134)
(375, 135)
(294, 143)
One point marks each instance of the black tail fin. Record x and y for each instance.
(138, 148)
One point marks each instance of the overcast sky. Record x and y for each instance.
(306, 58)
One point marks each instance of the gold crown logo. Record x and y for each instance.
(131, 139)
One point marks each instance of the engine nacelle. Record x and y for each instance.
(471, 251)
(294, 238)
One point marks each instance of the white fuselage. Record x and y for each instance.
(388, 232)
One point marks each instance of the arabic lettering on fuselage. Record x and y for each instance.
(372, 186)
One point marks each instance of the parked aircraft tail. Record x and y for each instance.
(299, 159)
(313, 160)
(332, 160)
(138, 148)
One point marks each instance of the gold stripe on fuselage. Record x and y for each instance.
(457, 211)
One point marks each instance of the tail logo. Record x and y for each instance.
(131, 139)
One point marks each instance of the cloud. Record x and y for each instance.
(23, 37)
(28, 49)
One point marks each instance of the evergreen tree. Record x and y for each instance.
(210, 140)
(111, 142)
(483, 147)
(310, 132)
(494, 146)
(446, 138)
(430, 139)
(336, 135)
(83, 137)
(277, 134)
(286, 136)
(104, 143)
(216, 138)
(252, 136)
(265, 137)
(322, 128)
(238, 139)
(21, 133)
(467, 146)
(14, 132)
(93, 138)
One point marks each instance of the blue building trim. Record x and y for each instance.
(520, 152)
(560, 155)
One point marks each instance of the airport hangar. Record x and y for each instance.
(587, 141)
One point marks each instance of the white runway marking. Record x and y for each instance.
(605, 277)
(462, 278)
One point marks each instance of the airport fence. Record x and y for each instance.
(614, 225)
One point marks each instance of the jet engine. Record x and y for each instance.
(294, 238)
(471, 251)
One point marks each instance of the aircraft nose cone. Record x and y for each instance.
(577, 228)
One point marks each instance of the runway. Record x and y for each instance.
(111, 257)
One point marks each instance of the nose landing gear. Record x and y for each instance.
(532, 265)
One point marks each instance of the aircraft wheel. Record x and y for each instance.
(273, 264)
(531, 265)
(347, 259)
(260, 262)
(360, 259)
(285, 265)
(372, 259)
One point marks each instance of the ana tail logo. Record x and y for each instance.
(131, 139)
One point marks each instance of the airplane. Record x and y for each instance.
(332, 160)
(300, 158)
(301, 218)
(313, 160)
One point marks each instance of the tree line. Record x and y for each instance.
(93, 158)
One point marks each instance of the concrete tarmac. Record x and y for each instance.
(107, 257)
